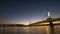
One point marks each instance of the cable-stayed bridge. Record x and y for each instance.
(41, 23)
(48, 22)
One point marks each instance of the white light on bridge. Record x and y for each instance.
(48, 14)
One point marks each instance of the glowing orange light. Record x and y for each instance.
(26, 23)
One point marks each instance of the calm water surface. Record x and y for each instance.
(29, 30)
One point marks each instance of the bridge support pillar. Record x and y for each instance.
(51, 28)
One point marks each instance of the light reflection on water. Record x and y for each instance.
(29, 30)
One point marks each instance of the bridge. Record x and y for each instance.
(49, 20)
(41, 23)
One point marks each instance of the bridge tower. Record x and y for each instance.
(50, 22)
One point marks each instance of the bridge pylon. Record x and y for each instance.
(50, 22)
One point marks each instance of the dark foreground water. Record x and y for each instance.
(29, 30)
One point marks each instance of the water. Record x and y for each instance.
(29, 30)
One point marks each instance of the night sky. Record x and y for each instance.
(22, 11)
